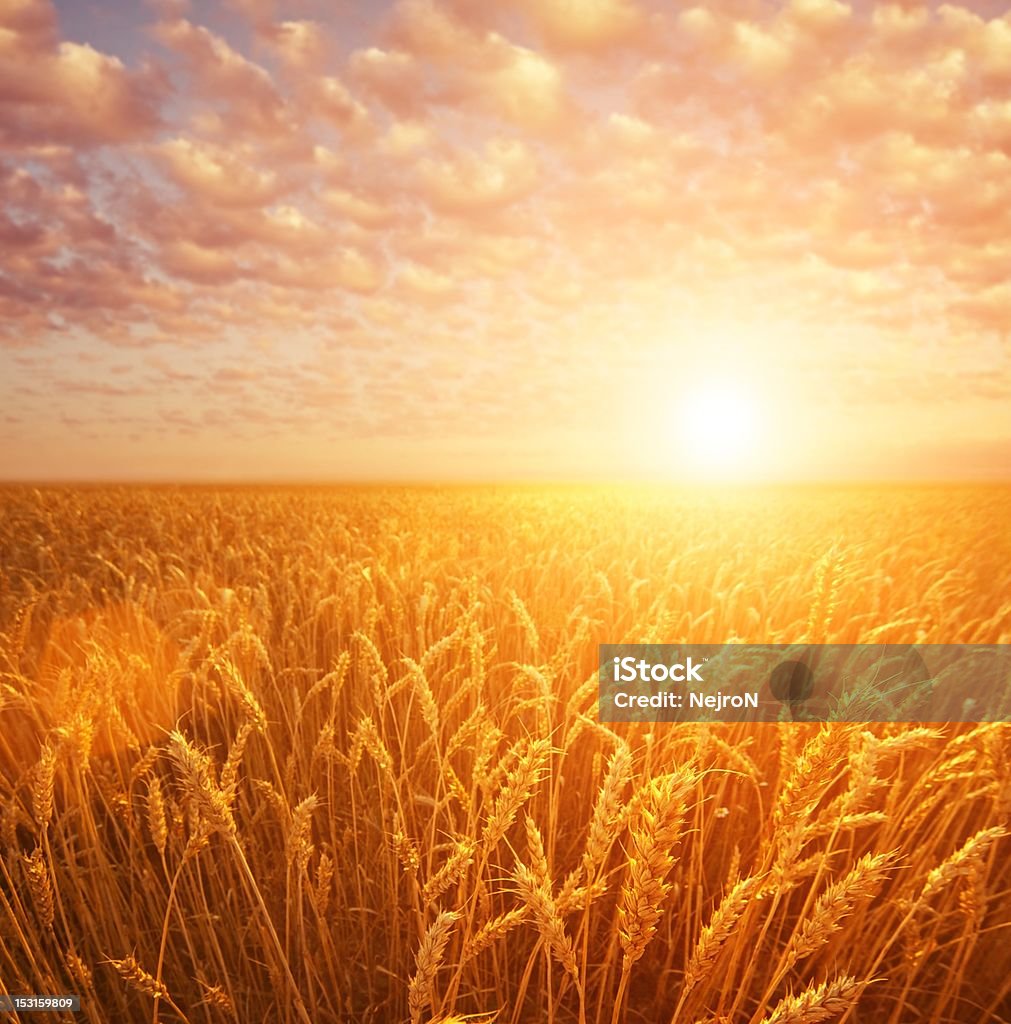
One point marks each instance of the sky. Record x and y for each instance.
(453, 239)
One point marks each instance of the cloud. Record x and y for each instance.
(347, 269)
(329, 98)
(222, 75)
(56, 91)
(473, 181)
(219, 174)
(589, 26)
(516, 210)
(299, 44)
(358, 207)
(29, 25)
(425, 285)
(989, 306)
(196, 263)
(395, 78)
(436, 59)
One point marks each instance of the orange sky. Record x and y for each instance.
(455, 239)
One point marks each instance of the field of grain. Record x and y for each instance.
(333, 755)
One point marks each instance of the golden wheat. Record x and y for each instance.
(333, 755)
(421, 990)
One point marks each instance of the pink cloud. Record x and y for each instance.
(64, 92)
(219, 174)
(472, 181)
(223, 75)
(436, 59)
(495, 195)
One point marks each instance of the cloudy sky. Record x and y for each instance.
(531, 238)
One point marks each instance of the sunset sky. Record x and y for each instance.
(455, 239)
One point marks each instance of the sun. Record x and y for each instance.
(719, 430)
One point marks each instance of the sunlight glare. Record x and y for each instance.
(719, 430)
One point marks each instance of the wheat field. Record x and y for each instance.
(333, 754)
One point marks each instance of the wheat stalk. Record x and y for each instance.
(491, 931)
(461, 857)
(40, 886)
(518, 787)
(428, 959)
(42, 791)
(134, 975)
(212, 804)
(720, 927)
(536, 896)
(962, 862)
(157, 821)
(607, 809)
(653, 836)
(838, 900)
(816, 1003)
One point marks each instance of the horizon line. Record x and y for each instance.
(360, 481)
